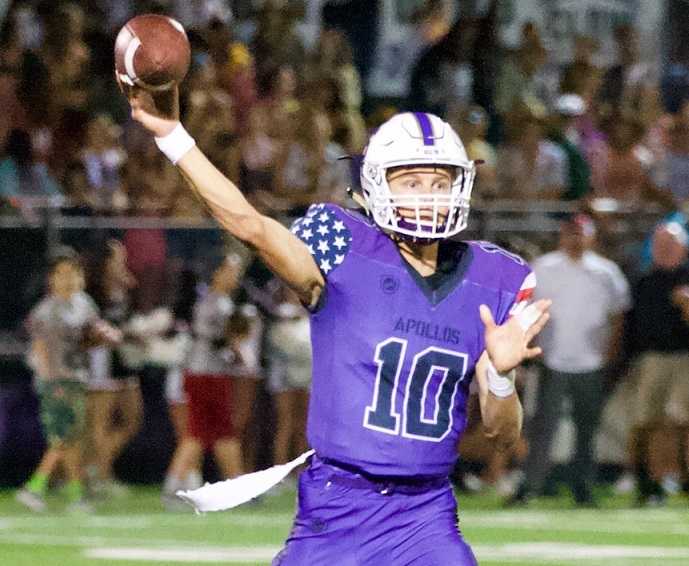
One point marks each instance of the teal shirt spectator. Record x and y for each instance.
(35, 181)
(21, 178)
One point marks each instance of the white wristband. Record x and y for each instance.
(176, 144)
(500, 384)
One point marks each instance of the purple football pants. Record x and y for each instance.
(342, 521)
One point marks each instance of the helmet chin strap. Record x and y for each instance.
(398, 237)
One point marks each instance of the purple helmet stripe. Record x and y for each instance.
(426, 127)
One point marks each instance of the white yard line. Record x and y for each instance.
(531, 552)
(633, 515)
(47, 539)
(237, 555)
(566, 552)
(598, 525)
(136, 521)
(669, 523)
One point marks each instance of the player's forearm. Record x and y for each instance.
(502, 420)
(501, 411)
(284, 254)
(223, 198)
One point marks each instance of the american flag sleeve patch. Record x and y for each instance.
(326, 236)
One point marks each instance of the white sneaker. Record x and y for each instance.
(625, 484)
(671, 484)
(31, 500)
(507, 484)
(473, 482)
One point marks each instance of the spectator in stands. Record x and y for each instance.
(62, 326)
(115, 406)
(239, 79)
(280, 100)
(147, 248)
(675, 166)
(333, 57)
(245, 339)
(177, 399)
(211, 118)
(675, 81)
(289, 374)
(443, 75)
(621, 166)
(590, 296)
(472, 124)
(79, 198)
(254, 158)
(522, 83)
(433, 21)
(563, 132)
(24, 182)
(276, 42)
(12, 62)
(658, 342)
(66, 55)
(208, 384)
(531, 166)
(348, 126)
(308, 169)
(334, 82)
(577, 74)
(103, 159)
(623, 82)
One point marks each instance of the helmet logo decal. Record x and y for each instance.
(426, 127)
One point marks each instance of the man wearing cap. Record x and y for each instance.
(590, 296)
(562, 132)
(658, 341)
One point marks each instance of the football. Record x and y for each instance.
(152, 51)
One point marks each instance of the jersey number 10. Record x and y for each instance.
(446, 366)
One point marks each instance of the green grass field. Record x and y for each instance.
(136, 531)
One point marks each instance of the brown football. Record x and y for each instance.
(152, 51)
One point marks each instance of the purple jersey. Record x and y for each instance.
(393, 357)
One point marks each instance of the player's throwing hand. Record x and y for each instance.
(157, 112)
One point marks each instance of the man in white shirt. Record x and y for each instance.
(590, 296)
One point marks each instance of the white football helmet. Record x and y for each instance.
(417, 139)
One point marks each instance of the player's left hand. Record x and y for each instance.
(508, 344)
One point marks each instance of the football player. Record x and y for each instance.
(403, 319)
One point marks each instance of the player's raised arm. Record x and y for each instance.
(282, 252)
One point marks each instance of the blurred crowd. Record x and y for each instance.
(275, 114)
